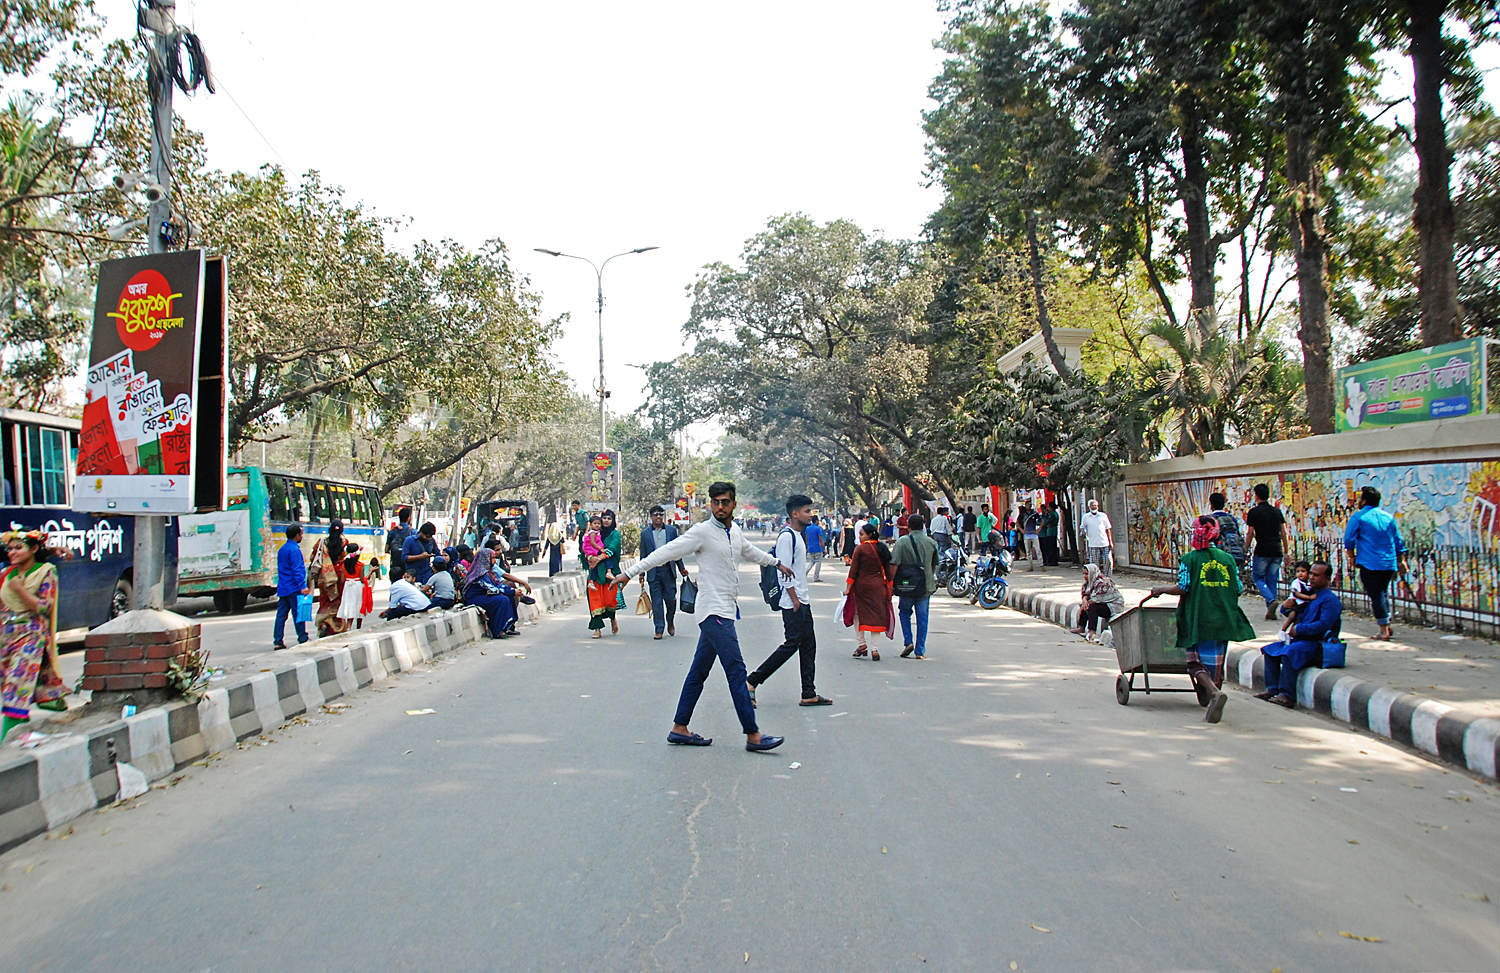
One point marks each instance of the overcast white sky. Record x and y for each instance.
(586, 127)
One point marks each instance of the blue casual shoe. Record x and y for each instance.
(689, 740)
(766, 743)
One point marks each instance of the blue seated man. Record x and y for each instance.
(1316, 622)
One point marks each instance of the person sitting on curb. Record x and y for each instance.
(1317, 621)
(1208, 614)
(406, 599)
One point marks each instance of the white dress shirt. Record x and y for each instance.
(791, 550)
(718, 553)
(940, 525)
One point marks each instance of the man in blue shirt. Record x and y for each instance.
(1375, 547)
(1318, 621)
(417, 553)
(291, 581)
(813, 534)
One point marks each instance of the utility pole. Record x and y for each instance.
(148, 560)
(599, 284)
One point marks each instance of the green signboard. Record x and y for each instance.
(1441, 382)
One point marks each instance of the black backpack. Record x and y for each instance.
(770, 575)
(911, 580)
(1230, 538)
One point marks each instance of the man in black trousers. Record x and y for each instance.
(796, 613)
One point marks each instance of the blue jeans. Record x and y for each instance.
(287, 605)
(717, 639)
(663, 588)
(1266, 571)
(905, 606)
(1281, 676)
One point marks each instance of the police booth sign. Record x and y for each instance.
(136, 448)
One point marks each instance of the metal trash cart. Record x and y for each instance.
(1146, 642)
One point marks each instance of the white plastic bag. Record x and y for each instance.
(838, 613)
(132, 782)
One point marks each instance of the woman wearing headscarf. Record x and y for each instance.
(28, 591)
(1209, 616)
(1101, 600)
(871, 573)
(327, 570)
(554, 540)
(604, 598)
(847, 543)
(483, 589)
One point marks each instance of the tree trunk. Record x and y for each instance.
(1432, 215)
(1042, 316)
(1305, 178)
(1202, 253)
(312, 440)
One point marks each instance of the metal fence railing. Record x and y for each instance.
(1453, 588)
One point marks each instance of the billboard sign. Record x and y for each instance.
(601, 479)
(1441, 382)
(136, 447)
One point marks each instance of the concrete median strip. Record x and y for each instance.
(1435, 728)
(54, 783)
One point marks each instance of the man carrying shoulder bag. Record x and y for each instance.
(916, 557)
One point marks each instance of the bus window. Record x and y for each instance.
(237, 490)
(372, 503)
(276, 492)
(300, 500)
(45, 466)
(320, 507)
(338, 503)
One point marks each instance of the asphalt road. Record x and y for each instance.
(989, 807)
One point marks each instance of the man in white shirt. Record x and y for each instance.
(720, 545)
(942, 529)
(1098, 536)
(406, 599)
(796, 613)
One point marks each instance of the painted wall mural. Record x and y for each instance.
(1447, 513)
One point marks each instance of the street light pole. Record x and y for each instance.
(599, 284)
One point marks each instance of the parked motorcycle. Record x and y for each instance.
(989, 580)
(950, 562)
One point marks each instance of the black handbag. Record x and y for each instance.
(688, 596)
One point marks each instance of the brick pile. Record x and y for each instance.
(124, 661)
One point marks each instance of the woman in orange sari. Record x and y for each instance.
(28, 595)
(326, 568)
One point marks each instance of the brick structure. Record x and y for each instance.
(130, 656)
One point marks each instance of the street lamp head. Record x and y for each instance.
(550, 253)
(644, 249)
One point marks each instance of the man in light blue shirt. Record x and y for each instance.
(1375, 547)
(291, 581)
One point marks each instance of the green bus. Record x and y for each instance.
(231, 554)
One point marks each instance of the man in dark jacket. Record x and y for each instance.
(662, 581)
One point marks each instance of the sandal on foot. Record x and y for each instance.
(874, 655)
(816, 701)
(861, 652)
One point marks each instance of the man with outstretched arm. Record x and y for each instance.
(719, 546)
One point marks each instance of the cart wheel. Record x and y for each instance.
(1122, 689)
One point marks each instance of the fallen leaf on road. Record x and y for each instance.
(1018, 777)
(1271, 782)
(420, 712)
(1120, 826)
(882, 851)
(1013, 965)
(1039, 928)
(1476, 898)
(1351, 841)
(1114, 782)
(1367, 939)
(409, 751)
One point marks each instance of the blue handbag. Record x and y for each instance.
(304, 608)
(1333, 654)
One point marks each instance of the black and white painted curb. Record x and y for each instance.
(1416, 721)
